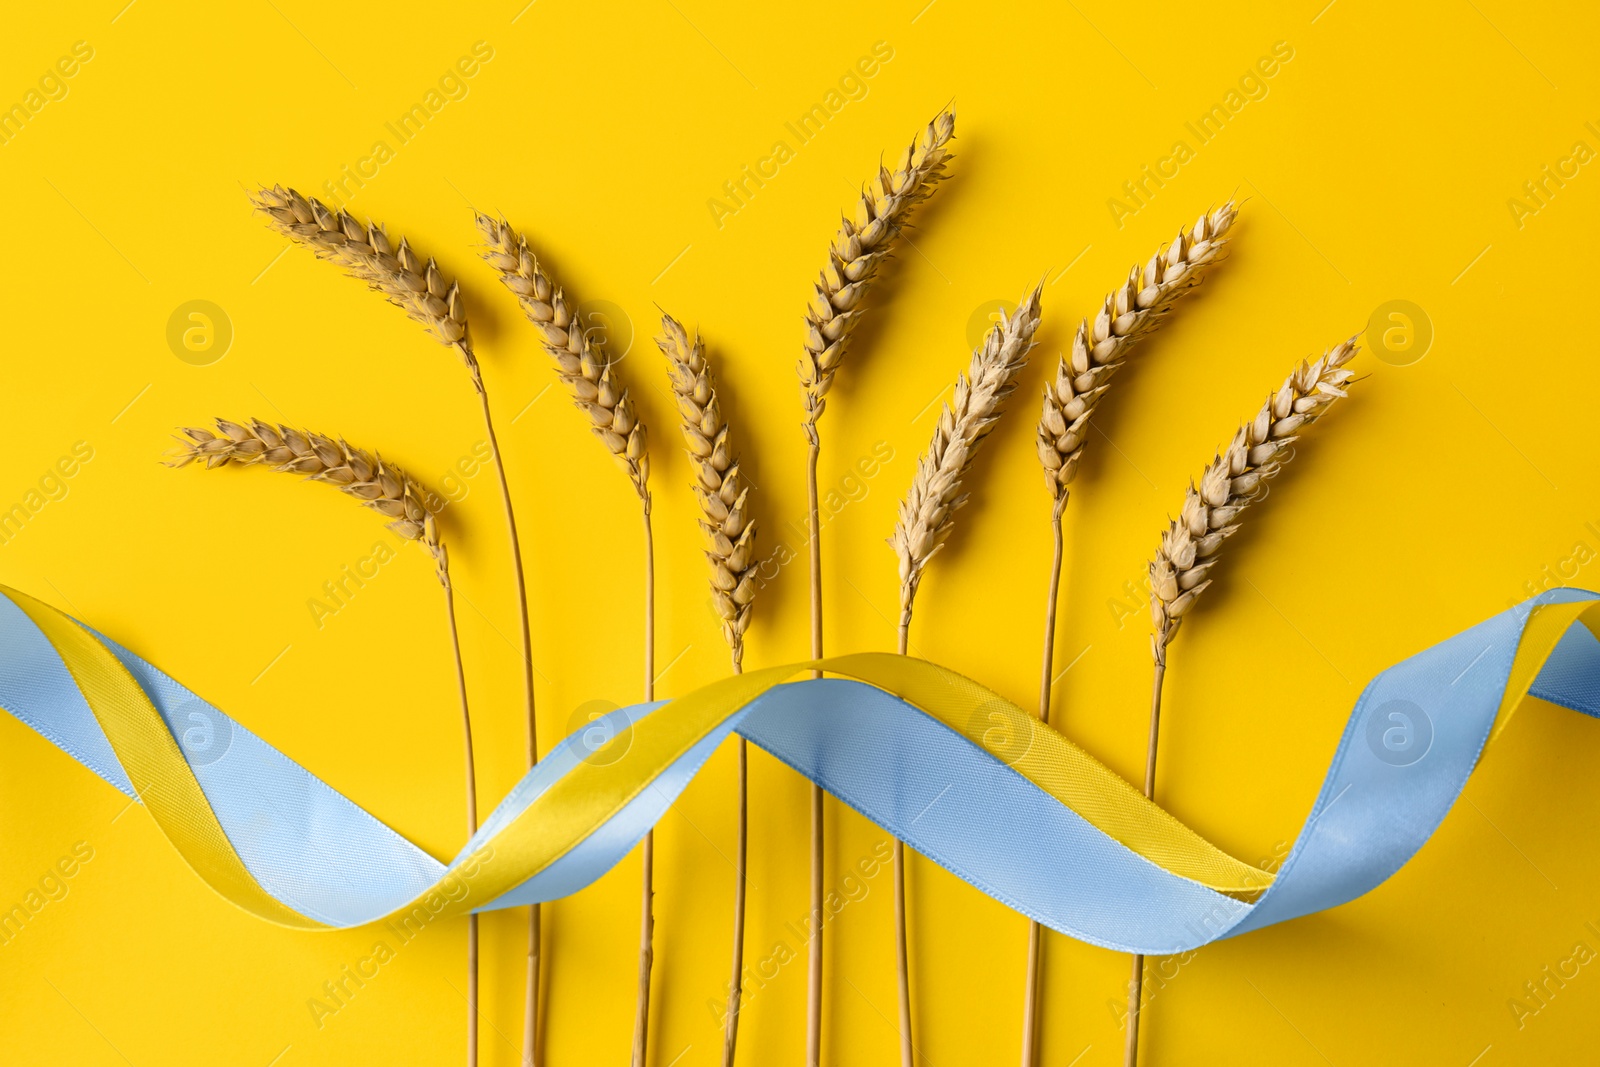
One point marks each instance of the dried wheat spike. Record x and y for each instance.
(928, 511)
(366, 253)
(585, 368)
(1234, 480)
(719, 486)
(1098, 350)
(860, 245)
(379, 485)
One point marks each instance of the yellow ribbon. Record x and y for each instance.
(579, 802)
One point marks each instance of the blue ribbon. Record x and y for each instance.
(1411, 742)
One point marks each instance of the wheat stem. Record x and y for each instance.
(927, 516)
(647, 855)
(1030, 997)
(532, 1055)
(818, 811)
(1047, 660)
(902, 954)
(587, 371)
(862, 242)
(472, 806)
(647, 919)
(1136, 978)
(730, 1035)
(818, 900)
(1052, 597)
(1099, 349)
(1236, 478)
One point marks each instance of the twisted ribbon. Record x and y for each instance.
(950, 767)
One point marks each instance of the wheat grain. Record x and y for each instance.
(720, 487)
(368, 477)
(1232, 481)
(858, 248)
(928, 511)
(1099, 349)
(418, 288)
(582, 364)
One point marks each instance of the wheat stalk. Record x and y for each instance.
(583, 366)
(1180, 572)
(721, 491)
(586, 370)
(927, 514)
(422, 291)
(1099, 350)
(390, 492)
(862, 242)
(1130, 313)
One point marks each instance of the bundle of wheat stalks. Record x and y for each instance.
(1180, 573)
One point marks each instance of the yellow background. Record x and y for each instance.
(1377, 166)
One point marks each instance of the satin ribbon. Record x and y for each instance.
(962, 775)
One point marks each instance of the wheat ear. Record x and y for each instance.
(862, 242)
(1180, 571)
(1134, 310)
(722, 492)
(418, 288)
(390, 492)
(368, 477)
(1099, 349)
(587, 372)
(1233, 481)
(583, 365)
(927, 515)
(720, 487)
